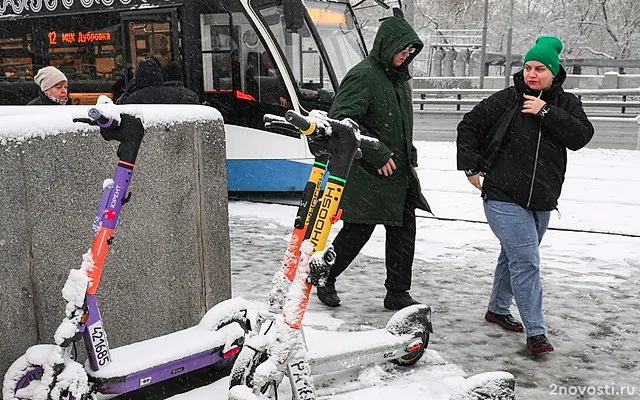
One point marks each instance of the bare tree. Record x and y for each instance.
(588, 28)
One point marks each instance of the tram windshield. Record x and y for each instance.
(340, 37)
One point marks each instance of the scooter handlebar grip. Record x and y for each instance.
(300, 122)
(101, 120)
(369, 142)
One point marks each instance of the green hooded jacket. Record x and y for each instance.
(377, 96)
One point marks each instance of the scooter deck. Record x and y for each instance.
(333, 351)
(219, 328)
(135, 357)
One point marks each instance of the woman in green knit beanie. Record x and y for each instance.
(546, 50)
(522, 186)
(541, 65)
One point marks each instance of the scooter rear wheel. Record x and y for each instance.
(415, 354)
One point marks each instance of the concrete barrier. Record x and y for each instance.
(170, 260)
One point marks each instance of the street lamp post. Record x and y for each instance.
(507, 61)
(483, 53)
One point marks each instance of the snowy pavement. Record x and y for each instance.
(590, 270)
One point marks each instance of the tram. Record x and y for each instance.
(243, 57)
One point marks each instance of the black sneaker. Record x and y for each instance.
(539, 344)
(398, 301)
(328, 295)
(506, 321)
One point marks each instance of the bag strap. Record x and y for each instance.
(497, 135)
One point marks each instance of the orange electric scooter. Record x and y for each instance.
(276, 346)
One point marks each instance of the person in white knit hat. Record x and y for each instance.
(53, 87)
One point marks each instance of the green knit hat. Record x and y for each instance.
(547, 51)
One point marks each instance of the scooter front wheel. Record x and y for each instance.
(244, 369)
(23, 382)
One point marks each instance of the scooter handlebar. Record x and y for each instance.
(129, 131)
(309, 127)
(101, 120)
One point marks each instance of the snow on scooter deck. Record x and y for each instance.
(351, 349)
(214, 331)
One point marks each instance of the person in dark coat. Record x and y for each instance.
(382, 186)
(525, 180)
(172, 74)
(150, 89)
(129, 88)
(53, 87)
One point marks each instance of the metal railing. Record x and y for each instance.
(614, 102)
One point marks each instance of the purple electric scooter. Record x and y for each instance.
(50, 372)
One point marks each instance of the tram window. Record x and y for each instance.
(87, 51)
(219, 52)
(150, 39)
(14, 43)
(232, 48)
(302, 54)
(337, 31)
(339, 34)
(16, 63)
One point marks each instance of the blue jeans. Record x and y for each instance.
(518, 269)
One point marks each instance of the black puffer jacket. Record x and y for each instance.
(150, 88)
(531, 165)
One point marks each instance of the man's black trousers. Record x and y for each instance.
(400, 245)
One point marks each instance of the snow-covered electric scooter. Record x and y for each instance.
(49, 372)
(276, 346)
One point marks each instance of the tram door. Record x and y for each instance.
(149, 35)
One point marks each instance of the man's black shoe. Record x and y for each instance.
(506, 321)
(328, 295)
(539, 344)
(398, 301)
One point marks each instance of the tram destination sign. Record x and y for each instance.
(74, 38)
(40, 8)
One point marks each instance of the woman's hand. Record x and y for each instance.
(532, 105)
(475, 180)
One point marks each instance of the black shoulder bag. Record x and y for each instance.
(492, 144)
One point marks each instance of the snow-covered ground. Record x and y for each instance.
(590, 271)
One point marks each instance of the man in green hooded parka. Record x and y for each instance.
(382, 187)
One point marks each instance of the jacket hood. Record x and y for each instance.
(148, 74)
(394, 35)
(556, 85)
(172, 72)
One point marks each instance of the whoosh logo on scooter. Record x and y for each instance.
(323, 217)
(114, 198)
